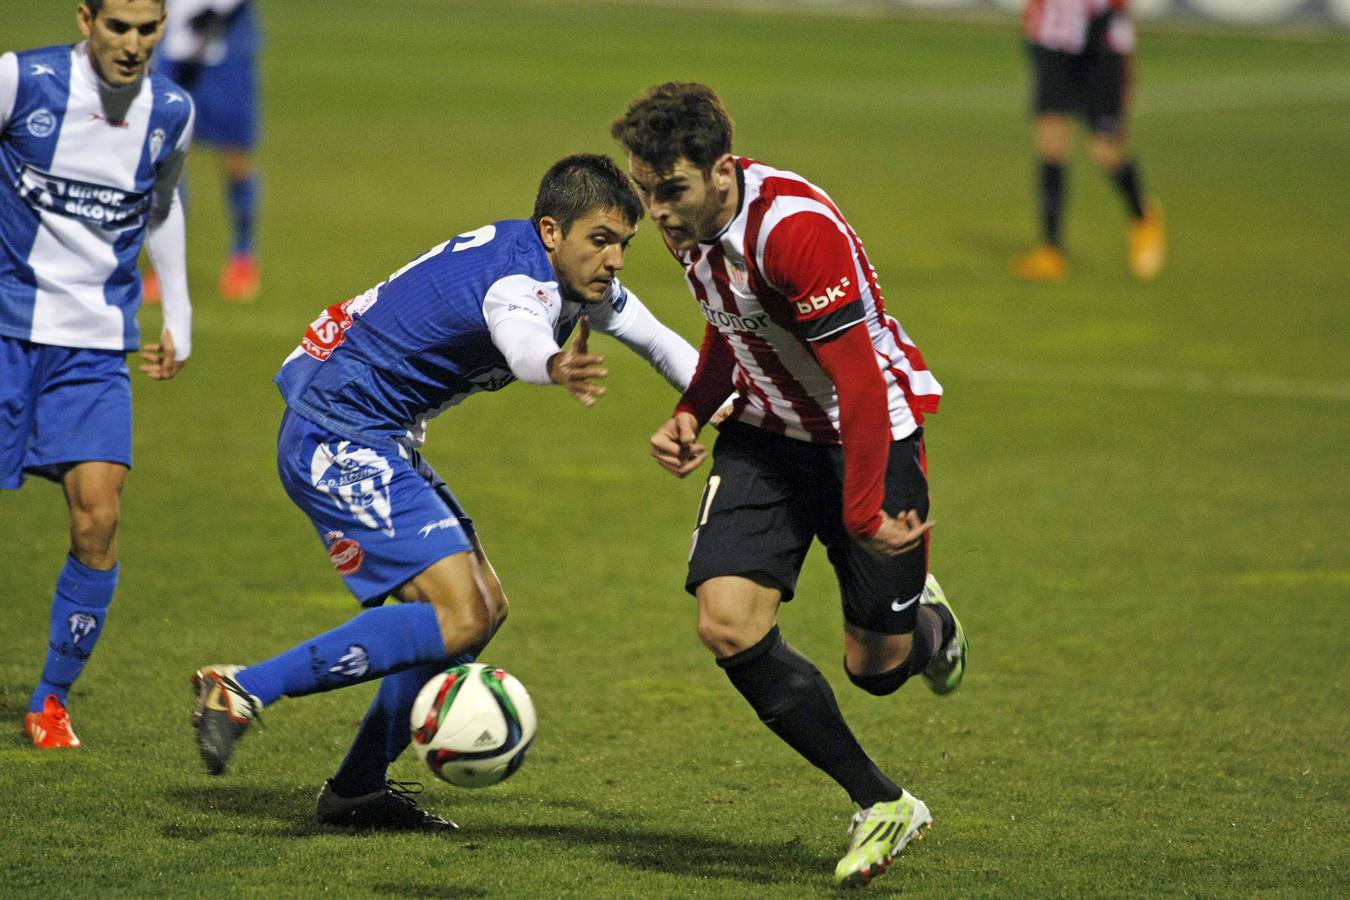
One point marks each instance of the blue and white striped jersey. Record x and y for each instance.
(83, 165)
(376, 367)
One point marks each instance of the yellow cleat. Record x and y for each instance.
(1148, 244)
(1045, 263)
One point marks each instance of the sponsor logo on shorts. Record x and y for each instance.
(897, 606)
(346, 554)
(428, 528)
(81, 626)
(352, 664)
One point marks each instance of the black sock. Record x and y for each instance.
(930, 627)
(791, 697)
(1052, 201)
(1127, 179)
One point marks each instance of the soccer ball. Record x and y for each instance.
(472, 725)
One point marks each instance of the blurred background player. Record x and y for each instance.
(210, 48)
(1081, 53)
(823, 437)
(92, 149)
(475, 313)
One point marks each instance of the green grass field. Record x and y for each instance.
(1141, 491)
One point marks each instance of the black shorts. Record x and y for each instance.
(1091, 84)
(768, 496)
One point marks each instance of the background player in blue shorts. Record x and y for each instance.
(475, 313)
(91, 149)
(211, 49)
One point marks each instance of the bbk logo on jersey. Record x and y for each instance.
(818, 302)
(81, 626)
(357, 478)
(346, 554)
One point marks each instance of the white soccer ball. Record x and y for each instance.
(472, 725)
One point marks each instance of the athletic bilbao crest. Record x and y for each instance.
(738, 274)
(81, 626)
(357, 478)
(346, 554)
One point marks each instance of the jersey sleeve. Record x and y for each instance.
(623, 316)
(521, 313)
(809, 259)
(9, 87)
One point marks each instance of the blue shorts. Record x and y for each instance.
(60, 406)
(226, 98)
(384, 516)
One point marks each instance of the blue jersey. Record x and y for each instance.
(374, 368)
(82, 163)
(209, 32)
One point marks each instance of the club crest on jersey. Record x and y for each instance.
(40, 122)
(345, 553)
(738, 274)
(156, 142)
(81, 626)
(357, 478)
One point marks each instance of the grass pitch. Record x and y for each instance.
(1141, 491)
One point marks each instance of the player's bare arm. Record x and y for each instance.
(675, 445)
(577, 369)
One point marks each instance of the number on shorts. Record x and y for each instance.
(705, 504)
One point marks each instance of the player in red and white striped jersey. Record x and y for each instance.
(1081, 53)
(823, 440)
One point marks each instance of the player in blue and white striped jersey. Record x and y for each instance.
(91, 150)
(475, 313)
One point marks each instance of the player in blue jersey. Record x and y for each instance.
(211, 48)
(474, 313)
(91, 150)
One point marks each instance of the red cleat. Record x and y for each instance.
(151, 295)
(239, 280)
(50, 729)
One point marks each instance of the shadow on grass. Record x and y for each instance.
(237, 800)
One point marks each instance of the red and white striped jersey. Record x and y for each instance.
(785, 272)
(1063, 24)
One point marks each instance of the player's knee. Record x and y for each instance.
(723, 638)
(93, 528)
(882, 683)
(1107, 151)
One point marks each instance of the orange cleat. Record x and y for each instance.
(1045, 263)
(1148, 244)
(151, 295)
(50, 729)
(239, 280)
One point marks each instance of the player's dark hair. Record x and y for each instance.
(672, 120)
(96, 7)
(580, 184)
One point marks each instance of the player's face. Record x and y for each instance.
(122, 36)
(587, 258)
(687, 203)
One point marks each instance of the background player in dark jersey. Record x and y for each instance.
(473, 314)
(1081, 53)
(823, 441)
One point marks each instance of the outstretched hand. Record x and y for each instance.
(160, 363)
(675, 445)
(576, 369)
(898, 535)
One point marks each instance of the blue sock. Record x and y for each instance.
(386, 730)
(378, 642)
(243, 197)
(79, 608)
